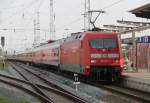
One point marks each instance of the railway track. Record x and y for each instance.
(28, 88)
(132, 94)
(39, 86)
(123, 91)
(129, 93)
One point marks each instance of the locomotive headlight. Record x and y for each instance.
(93, 61)
(87, 66)
(116, 61)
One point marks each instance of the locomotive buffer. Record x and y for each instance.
(76, 81)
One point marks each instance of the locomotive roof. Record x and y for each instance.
(80, 35)
(75, 36)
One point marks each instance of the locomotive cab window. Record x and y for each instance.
(103, 43)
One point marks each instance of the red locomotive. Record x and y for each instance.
(95, 55)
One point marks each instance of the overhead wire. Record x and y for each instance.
(28, 22)
(74, 21)
(17, 6)
(30, 19)
(70, 23)
(38, 7)
(106, 7)
(111, 5)
(79, 19)
(23, 9)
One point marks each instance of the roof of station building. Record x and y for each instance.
(142, 11)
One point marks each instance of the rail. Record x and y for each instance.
(127, 92)
(56, 88)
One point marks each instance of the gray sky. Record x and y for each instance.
(20, 14)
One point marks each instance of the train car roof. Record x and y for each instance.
(49, 45)
(45, 46)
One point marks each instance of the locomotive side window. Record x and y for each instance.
(103, 43)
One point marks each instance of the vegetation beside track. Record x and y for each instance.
(8, 100)
(5, 66)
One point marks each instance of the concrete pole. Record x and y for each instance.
(89, 14)
(119, 35)
(134, 51)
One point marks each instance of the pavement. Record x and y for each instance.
(140, 75)
(137, 80)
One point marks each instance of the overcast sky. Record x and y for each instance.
(19, 14)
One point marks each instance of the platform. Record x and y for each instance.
(137, 80)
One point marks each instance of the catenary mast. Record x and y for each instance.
(87, 16)
(36, 30)
(52, 18)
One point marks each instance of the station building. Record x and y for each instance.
(139, 40)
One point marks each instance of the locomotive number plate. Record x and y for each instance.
(104, 55)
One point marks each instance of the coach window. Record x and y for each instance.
(76, 37)
(80, 36)
(58, 52)
(43, 55)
